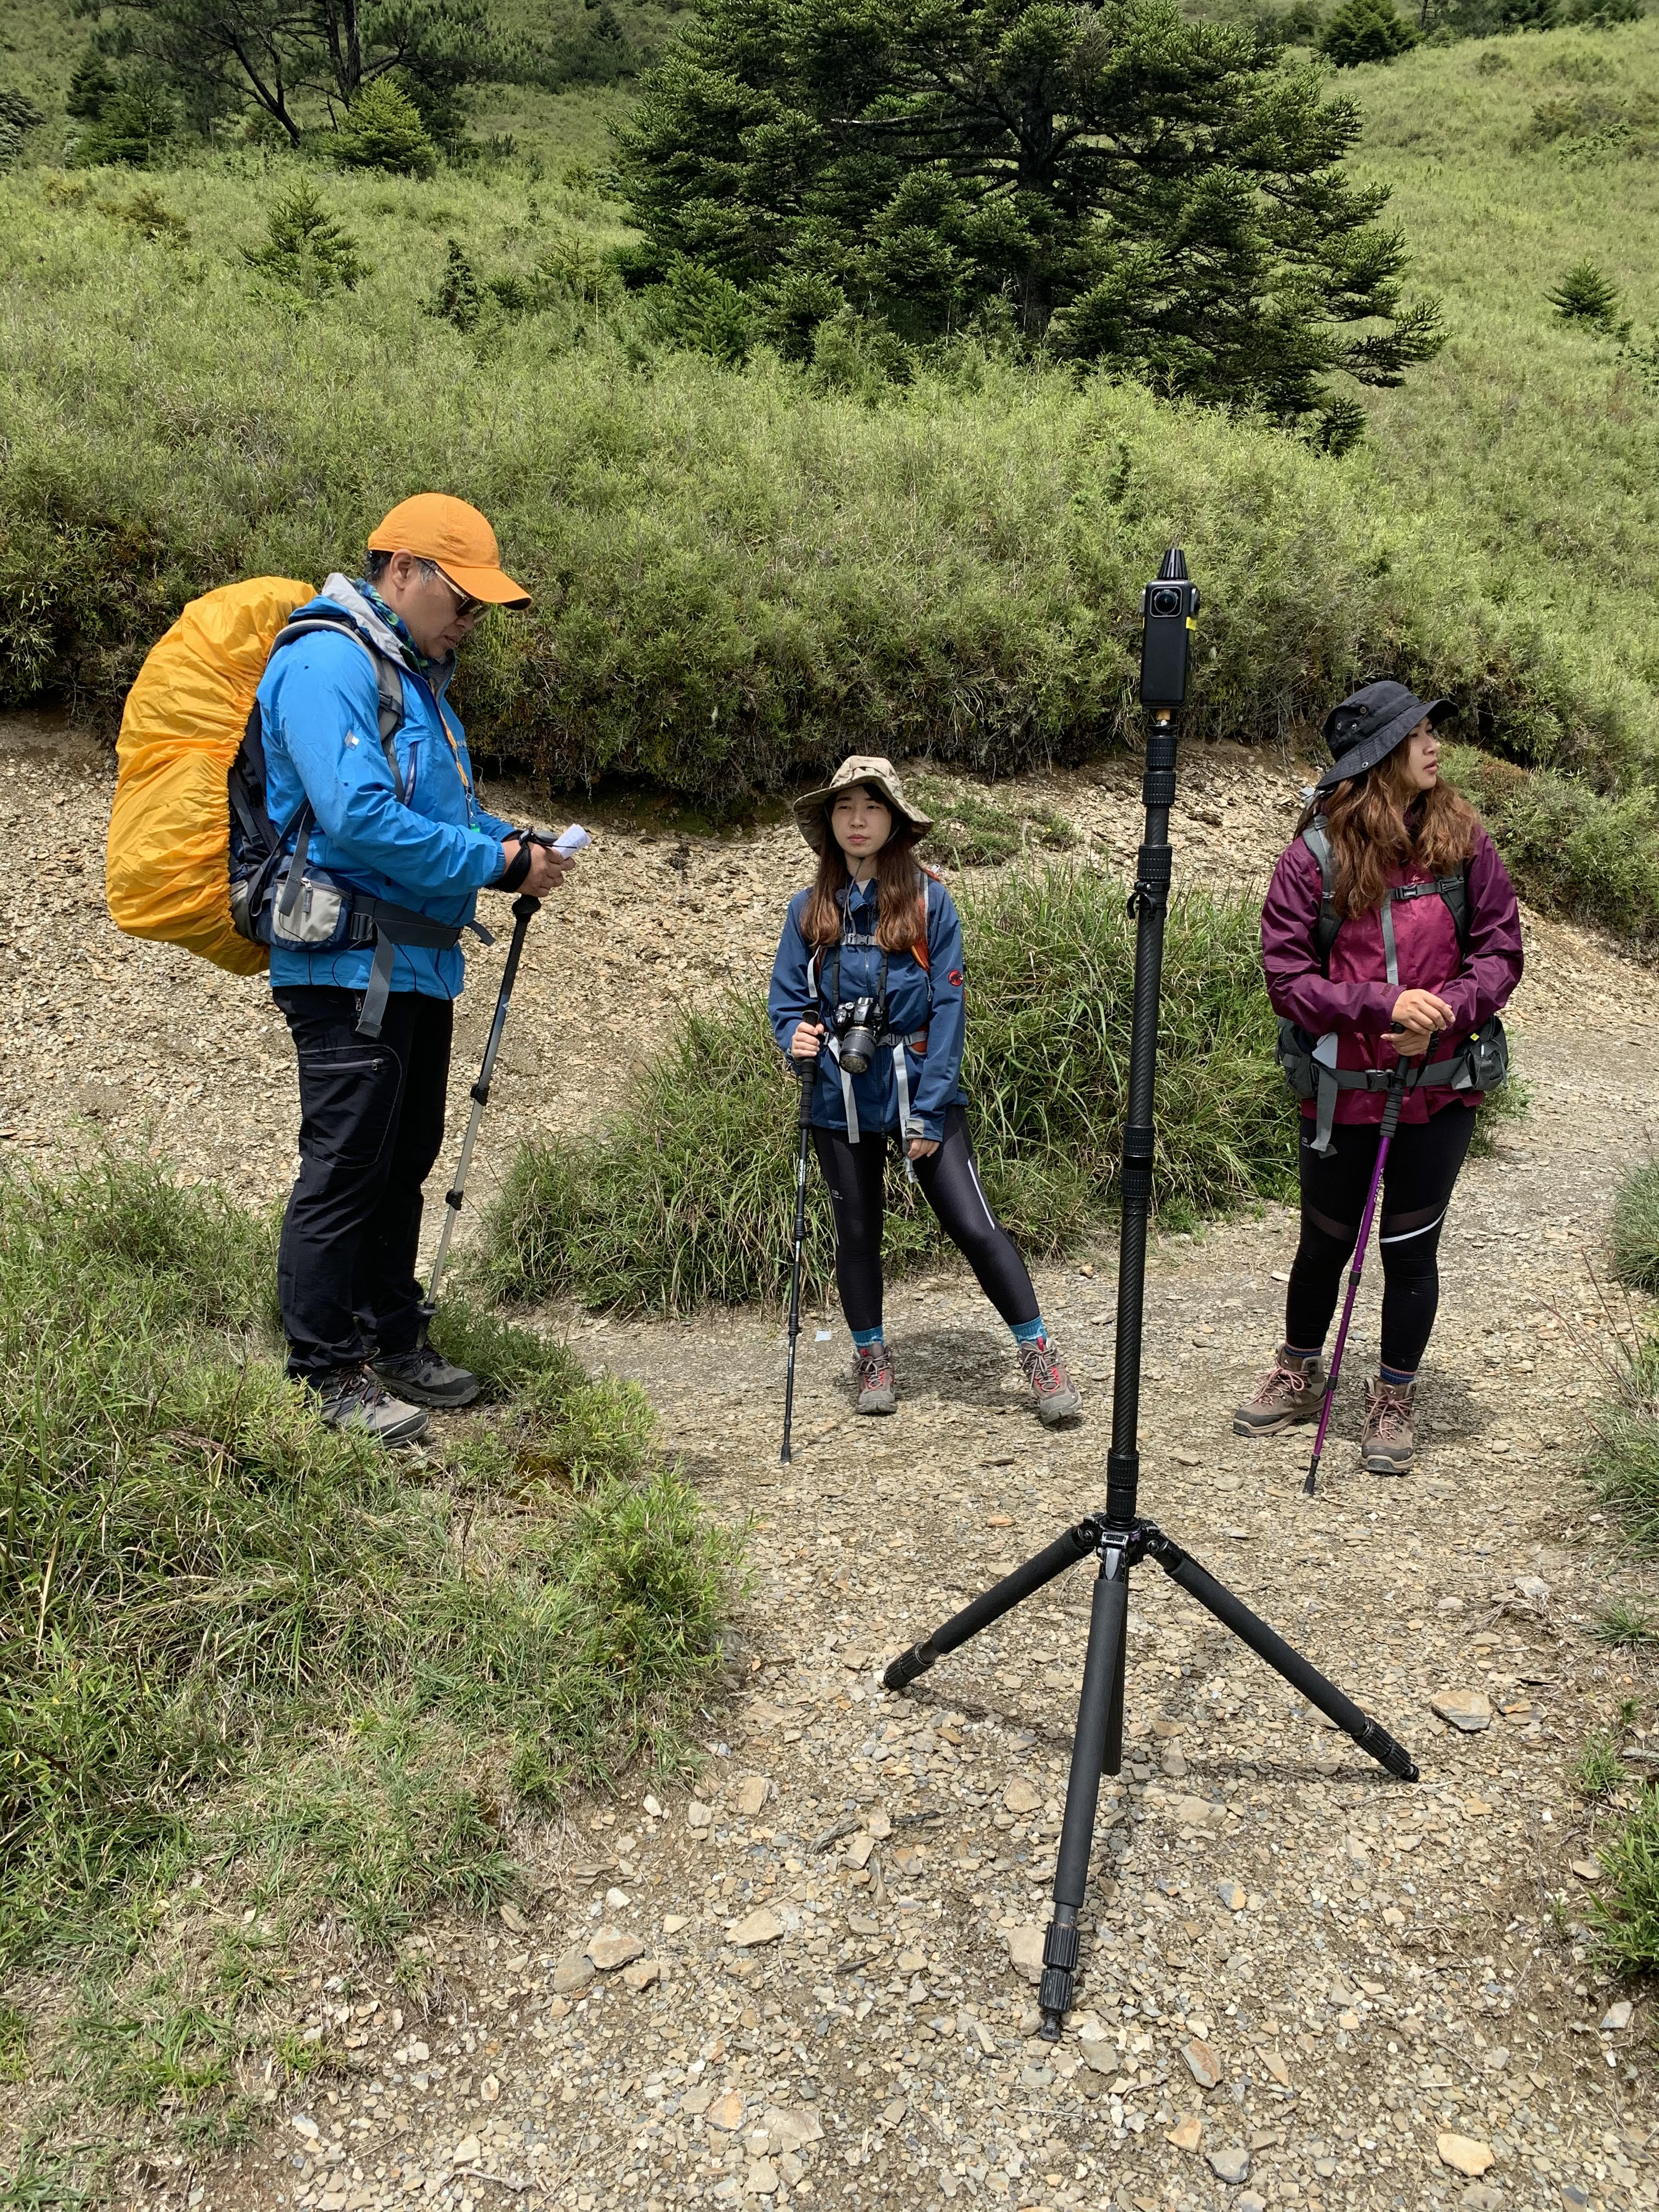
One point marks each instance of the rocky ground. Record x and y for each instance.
(1304, 1985)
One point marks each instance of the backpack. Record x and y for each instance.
(890, 1039)
(194, 858)
(1480, 1062)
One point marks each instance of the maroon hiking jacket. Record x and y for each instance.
(1356, 999)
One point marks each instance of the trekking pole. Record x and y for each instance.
(1398, 1084)
(522, 909)
(806, 1073)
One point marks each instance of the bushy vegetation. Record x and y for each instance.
(231, 1637)
(1623, 1464)
(688, 1196)
(1573, 850)
(1635, 1227)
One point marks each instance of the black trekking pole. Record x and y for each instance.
(805, 1074)
(1120, 1537)
(1398, 1084)
(524, 907)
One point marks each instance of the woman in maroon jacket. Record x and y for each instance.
(1395, 979)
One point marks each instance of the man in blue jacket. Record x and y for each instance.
(394, 821)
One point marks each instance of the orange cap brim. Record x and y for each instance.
(493, 585)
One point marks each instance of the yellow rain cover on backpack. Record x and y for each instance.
(168, 874)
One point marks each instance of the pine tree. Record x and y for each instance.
(383, 129)
(1585, 294)
(459, 297)
(306, 252)
(1106, 180)
(1365, 31)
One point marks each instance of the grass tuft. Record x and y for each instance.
(1635, 1227)
(1626, 1918)
(1600, 1770)
(1623, 1461)
(688, 1197)
(1625, 1623)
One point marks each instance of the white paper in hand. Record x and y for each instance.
(572, 840)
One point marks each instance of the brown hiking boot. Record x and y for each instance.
(1056, 1395)
(1290, 1391)
(872, 1370)
(1386, 1442)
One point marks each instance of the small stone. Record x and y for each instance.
(1025, 1953)
(490, 2089)
(1449, 1605)
(1020, 1798)
(574, 1972)
(302, 2124)
(467, 2152)
(1204, 2066)
(1232, 1895)
(1617, 2018)
(609, 1949)
(791, 2126)
(673, 1922)
(1467, 1710)
(1231, 2165)
(1464, 2155)
(1249, 2202)
(759, 1926)
(1533, 1587)
(616, 1899)
(1586, 1870)
(652, 1809)
(762, 2180)
(698, 1815)
(855, 1661)
(1185, 1459)
(642, 1973)
(912, 1962)
(1174, 1765)
(726, 2113)
(1276, 2066)
(1186, 2132)
(863, 1923)
(751, 1795)
(1481, 2197)
(859, 1851)
(880, 1826)
(512, 1919)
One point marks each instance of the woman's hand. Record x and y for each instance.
(804, 1043)
(920, 1147)
(1417, 1016)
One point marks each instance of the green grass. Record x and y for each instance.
(971, 829)
(1625, 1623)
(246, 1661)
(1625, 1919)
(1571, 849)
(1635, 1227)
(1600, 1770)
(1623, 1461)
(690, 1196)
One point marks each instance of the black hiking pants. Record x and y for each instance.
(1418, 1177)
(856, 1176)
(370, 1122)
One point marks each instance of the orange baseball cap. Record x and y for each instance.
(458, 537)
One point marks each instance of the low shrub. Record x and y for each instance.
(1635, 1227)
(1571, 848)
(1623, 1461)
(690, 1196)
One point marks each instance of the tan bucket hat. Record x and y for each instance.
(876, 774)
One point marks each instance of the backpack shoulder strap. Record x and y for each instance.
(388, 679)
(918, 947)
(1317, 840)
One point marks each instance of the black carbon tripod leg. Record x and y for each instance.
(1112, 1757)
(1002, 1597)
(1372, 1738)
(1101, 1697)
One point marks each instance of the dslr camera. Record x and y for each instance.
(859, 1026)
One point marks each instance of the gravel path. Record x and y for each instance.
(1303, 1985)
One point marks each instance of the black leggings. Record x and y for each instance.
(856, 1175)
(1422, 1166)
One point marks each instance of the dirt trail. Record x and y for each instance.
(1303, 1973)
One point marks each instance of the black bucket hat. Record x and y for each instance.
(1368, 726)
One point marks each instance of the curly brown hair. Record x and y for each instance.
(1379, 823)
(900, 917)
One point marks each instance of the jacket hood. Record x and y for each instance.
(341, 592)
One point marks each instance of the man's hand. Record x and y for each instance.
(1417, 1016)
(809, 1036)
(920, 1147)
(548, 869)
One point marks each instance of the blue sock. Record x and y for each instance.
(1027, 1332)
(864, 1338)
(1397, 1378)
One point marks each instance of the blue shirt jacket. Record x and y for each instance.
(916, 1001)
(431, 851)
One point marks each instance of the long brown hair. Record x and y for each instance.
(899, 911)
(1378, 823)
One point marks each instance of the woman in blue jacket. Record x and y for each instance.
(871, 957)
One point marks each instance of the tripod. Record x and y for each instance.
(1120, 1538)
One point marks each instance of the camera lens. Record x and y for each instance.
(1165, 602)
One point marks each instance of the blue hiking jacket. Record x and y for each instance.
(431, 851)
(916, 1001)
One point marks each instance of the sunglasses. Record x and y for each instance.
(466, 608)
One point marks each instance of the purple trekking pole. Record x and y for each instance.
(1398, 1084)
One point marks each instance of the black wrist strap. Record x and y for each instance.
(517, 868)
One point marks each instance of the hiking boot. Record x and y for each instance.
(1056, 1395)
(1290, 1391)
(351, 1399)
(1386, 1443)
(872, 1370)
(425, 1378)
